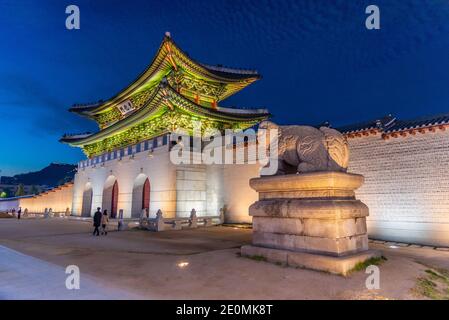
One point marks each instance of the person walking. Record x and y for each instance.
(19, 212)
(104, 222)
(97, 222)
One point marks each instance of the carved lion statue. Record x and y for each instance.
(304, 149)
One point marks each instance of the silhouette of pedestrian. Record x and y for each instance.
(97, 221)
(104, 222)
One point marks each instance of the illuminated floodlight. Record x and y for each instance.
(183, 264)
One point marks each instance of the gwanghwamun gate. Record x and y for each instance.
(128, 170)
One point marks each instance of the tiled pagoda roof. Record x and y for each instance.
(391, 126)
(173, 92)
(170, 57)
(165, 99)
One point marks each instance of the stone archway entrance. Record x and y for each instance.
(114, 201)
(86, 208)
(146, 195)
(110, 196)
(141, 195)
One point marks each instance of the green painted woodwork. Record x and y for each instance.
(171, 93)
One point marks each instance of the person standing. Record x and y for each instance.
(97, 222)
(19, 212)
(104, 222)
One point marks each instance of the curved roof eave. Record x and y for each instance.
(154, 107)
(222, 74)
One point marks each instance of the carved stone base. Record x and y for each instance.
(336, 265)
(310, 215)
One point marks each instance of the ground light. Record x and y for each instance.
(182, 264)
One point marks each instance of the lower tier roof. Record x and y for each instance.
(168, 107)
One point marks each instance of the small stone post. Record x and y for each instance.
(222, 216)
(159, 221)
(143, 218)
(193, 219)
(120, 220)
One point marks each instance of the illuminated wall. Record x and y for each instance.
(7, 205)
(174, 189)
(238, 195)
(58, 199)
(129, 172)
(406, 186)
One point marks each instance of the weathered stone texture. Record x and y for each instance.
(309, 232)
(406, 186)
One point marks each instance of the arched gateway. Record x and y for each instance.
(86, 208)
(141, 195)
(110, 196)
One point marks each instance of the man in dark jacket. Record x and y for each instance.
(97, 222)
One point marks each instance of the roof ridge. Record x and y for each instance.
(390, 123)
(229, 69)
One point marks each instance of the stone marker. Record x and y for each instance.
(193, 219)
(222, 215)
(159, 221)
(120, 224)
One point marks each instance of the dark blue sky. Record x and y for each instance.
(318, 61)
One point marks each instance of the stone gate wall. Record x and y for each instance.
(58, 199)
(406, 185)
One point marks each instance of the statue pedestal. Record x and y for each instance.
(310, 220)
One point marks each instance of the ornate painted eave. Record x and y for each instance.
(171, 62)
(167, 100)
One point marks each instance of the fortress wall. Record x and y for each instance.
(237, 194)
(58, 199)
(130, 173)
(406, 186)
(6, 205)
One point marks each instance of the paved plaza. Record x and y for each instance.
(202, 263)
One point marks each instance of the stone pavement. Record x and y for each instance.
(187, 264)
(25, 277)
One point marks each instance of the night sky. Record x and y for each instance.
(318, 61)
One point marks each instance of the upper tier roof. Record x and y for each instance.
(169, 58)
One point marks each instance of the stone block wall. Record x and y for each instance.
(130, 173)
(238, 195)
(58, 199)
(190, 190)
(406, 186)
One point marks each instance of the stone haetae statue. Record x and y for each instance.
(303, 149)
(311, 219)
